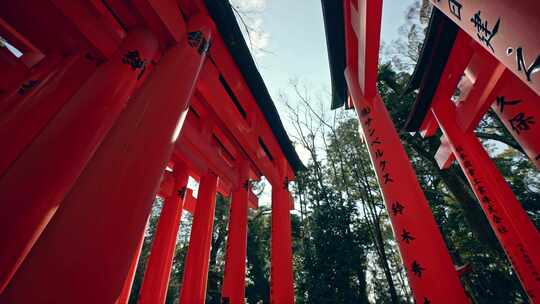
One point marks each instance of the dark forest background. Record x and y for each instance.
(344, 250)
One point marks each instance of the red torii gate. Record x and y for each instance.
(475, 36)
(90, 115)
(353, 31)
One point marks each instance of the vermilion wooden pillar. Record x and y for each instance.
(281, 273)
(193, 288)
(26, 120)
(430, 271)
(234, 276)
(518, 107)
(58, 155)
(128, 282)
(513, 228)
(487, 83)
(97, 229)
(156, 277)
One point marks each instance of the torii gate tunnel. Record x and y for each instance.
(490, 50)
(104, 97)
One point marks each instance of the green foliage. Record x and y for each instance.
(333, 254)
(343, 245)
(258, 256)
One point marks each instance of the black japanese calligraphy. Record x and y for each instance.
(382, 164)
(455, 8)
(27, 86)
(197, 40)
(502, 229)
(182, 192)
(368, 122)
(481, 192)
(387, 179)
(520, 122)
(469, 167)
(133, 59)
(483, 32)
(376, 141)
(365, 111)
(417, 269)
(397, 208)
(529, 262)
(521, 65)
(501, 102)
(407, 237)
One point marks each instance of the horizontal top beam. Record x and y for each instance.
(245, 119)
(506, 29)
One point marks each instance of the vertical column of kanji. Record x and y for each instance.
(430, 271)
(518, 107)
(196, 264)
(513, 228)
(281, 273)
(24, 122)
(59, 154)
(128, 282)
(158, 269)
(234, 276)
(95, 232)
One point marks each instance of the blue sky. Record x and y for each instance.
(293, 35)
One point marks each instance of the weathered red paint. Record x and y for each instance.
(196, 264)
(234, 275)
(483, 77)
(430, 271)
(517, 234)
(518, 107)
(36, 78)
(489, 84)
(128, 282)
(59, 154)
(365, 21)
(26, 120)
(148, 127)
(156, 277)
(485, 72)
(281, 272)
(96, 142)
